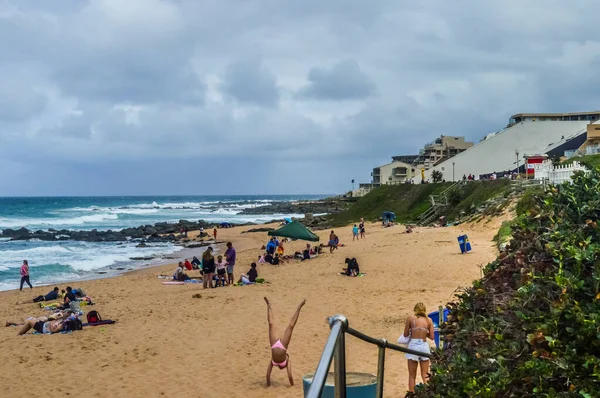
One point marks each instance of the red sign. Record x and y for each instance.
(532, 161)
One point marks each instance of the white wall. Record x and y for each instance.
(498, 152)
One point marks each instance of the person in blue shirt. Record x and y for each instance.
(271, 246)
(355, 232)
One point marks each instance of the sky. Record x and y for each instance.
(142, 97)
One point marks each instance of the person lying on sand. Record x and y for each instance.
(280, 345)
(52, 295)
(58, 322)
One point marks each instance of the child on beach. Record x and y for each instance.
(280, 343)
(221, 271)
(354, 233)
(261, 259)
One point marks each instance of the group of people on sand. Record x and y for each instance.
(214, 272)
(358, 231)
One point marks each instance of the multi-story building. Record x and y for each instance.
(547, 117)
(392, 173)
(442, 149)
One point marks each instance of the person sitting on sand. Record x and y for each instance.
(196, 263)
(333, 242)
(269, 258)
(280, 249)
(408, 229)
(208, 266)
(180, 274)
(419, 327)
(187, 265)
(250, 277)
(280, 345)
(275, 259)
(221, 271)
(261, 259)
(353, 269)
(58, 322)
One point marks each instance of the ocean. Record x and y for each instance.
(53, 262)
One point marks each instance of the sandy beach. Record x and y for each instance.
(167, 343)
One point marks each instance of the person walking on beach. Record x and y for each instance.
(354, 233)
(361, 227)
(419, 328)
(208, 268)
(215, 233)
(280, 345)
(230, 256)
(25, 275)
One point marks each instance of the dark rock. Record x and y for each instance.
(259, 230)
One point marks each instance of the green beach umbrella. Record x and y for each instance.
(295, 230)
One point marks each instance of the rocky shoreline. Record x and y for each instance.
(171, 232)
(159, 232)
(323, 206)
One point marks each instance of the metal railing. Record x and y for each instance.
(336, 347)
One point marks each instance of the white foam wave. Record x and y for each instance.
(54, 222)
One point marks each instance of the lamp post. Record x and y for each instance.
(517, 153)
(453, 172)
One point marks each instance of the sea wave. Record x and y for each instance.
(53, 222)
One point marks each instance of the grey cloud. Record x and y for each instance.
(251, 83)
(344, 81)
(96, 88)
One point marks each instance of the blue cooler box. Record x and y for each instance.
(464, 244)
(435, 317)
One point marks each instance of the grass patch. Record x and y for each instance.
(409, 201)
(589, 161)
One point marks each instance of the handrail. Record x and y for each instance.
(336, 345)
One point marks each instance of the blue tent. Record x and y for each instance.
(388, 216)
(287, 220)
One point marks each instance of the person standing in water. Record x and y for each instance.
(280, 345)
(25, 275)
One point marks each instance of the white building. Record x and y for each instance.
(499, 152)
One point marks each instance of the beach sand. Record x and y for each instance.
(167, 343)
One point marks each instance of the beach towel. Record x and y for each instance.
(258, 281)
(104, 322)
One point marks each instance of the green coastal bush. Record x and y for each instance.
(531, 326)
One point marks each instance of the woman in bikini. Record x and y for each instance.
(419, 327)
(279, 346)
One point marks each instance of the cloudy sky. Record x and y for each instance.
(103, 97)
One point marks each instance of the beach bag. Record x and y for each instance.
(94, 317)
(403, 339)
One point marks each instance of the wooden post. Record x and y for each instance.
(440, 323)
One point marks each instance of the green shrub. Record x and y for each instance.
(531, 326)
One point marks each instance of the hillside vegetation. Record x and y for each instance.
(408, 201)
(589, 161)
(531, 326)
